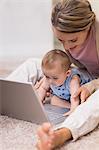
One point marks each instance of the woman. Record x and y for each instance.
(74, 24)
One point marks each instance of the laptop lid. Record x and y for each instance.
(20, 101)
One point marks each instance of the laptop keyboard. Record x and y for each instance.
(55, 117)
(55, 114)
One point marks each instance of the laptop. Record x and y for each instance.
(20, 100)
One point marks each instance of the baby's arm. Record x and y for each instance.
(42, 87)
(74, 86)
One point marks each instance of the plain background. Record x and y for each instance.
(25, 28)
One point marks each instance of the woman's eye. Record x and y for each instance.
(60, 40)
(74, 40)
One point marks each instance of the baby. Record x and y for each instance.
(63, 80)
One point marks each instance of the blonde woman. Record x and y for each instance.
(75, 25)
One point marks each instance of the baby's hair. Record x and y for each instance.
(72, 16)
(56, 55)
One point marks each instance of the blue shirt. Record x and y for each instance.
(63, 91)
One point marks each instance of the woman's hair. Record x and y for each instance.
(53, 56)
(72, 16)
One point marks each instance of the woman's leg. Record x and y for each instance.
(29, 71)
(84, 119)
(50, 139)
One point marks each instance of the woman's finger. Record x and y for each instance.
(82, 93)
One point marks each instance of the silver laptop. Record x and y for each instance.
(19, 100)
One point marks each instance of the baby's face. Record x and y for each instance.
(56, 76)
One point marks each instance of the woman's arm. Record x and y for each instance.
(92, 86)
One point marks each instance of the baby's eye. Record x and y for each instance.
(47, 77)
(55, 78)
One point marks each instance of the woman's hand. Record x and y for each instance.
(83, 93)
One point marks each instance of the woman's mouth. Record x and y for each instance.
(72, 48)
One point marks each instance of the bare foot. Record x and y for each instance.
(46, 137)
(50, 139)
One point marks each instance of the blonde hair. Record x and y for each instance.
(52, 56)
(72, 16)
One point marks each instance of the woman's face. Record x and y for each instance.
(71, 41)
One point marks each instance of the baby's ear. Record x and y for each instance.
(68, 72)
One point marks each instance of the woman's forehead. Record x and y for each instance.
(66, 35)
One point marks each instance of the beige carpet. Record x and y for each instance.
(21, 135)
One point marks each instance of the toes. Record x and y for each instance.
(44, 132)
(46, 127)
(46, 137)
(42, 135)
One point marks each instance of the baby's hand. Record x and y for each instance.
(39, 84)
(42, 87)
(67, 113)
(73, 107)
(41, 93)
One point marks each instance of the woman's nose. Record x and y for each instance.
(67, 45)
